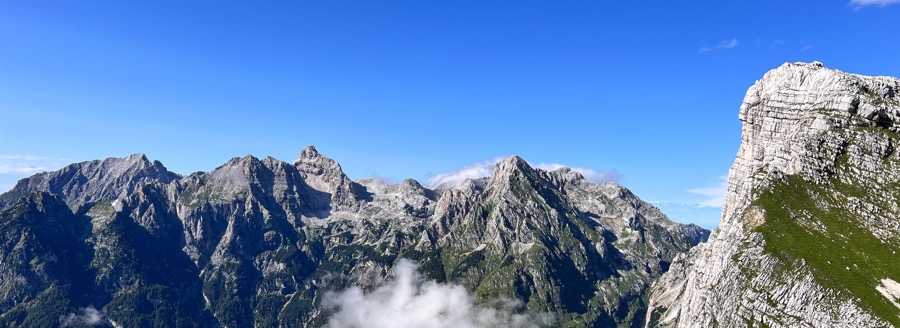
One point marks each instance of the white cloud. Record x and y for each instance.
(691, 212)
(14, 169)
(23, 164)
(408, 301)
(880, 3)
(727, 44)
(590, 175)
(23, 157)
(474, 171)
(724, 44)
(88, 316)
(714, 195)
(376, 181)
(486, 168)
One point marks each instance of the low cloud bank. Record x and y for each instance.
(408, 301)
(86, 316)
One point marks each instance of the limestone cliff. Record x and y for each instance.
(811, 222)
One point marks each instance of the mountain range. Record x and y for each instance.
(261, 242)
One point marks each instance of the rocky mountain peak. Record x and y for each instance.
(246, 162)
(308, 152)
(566, 175)
(325, 174)
(815, 89)
(235, 174)
(137, 157)
(799, 104)
(510, 166)
(311, 159)
(412, 184)
(817, 147)
(93, 181)
(322, 173)
(511, 163)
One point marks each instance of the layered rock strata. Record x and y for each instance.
(810, 225)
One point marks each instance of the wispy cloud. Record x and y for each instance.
(486, 168)
(691, 212)
(375, 181)
(727, 44)
(879, 3)
(473, 171)
(714, 195)
(23, 164)
(408, 301)
(806, 47)
(724, 44)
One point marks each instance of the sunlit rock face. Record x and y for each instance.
(811, 223)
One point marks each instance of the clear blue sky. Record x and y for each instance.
(402, 89)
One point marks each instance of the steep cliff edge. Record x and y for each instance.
(811, 223)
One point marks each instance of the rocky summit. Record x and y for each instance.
(265, 243)
(810, 230)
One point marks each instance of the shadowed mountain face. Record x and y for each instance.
(261, 243)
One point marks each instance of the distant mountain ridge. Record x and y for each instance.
(259, 242)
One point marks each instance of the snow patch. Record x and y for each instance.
(890, 289)
(478, 248)
(521, 248)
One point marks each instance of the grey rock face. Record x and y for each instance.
(325, 175)
(817, 162)
(93, 181)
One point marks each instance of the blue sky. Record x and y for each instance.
(645, 92)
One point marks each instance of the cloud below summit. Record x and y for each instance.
(408, 301)
(87, 316)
